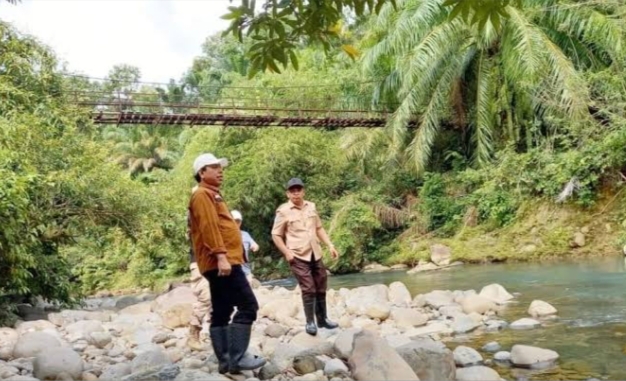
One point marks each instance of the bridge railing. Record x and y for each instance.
(252, 104)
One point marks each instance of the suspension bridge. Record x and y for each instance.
(242, 107)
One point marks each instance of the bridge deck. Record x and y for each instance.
(129, 117)
(147, 108)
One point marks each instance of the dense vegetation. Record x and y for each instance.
(521, 141)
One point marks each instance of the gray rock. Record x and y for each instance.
(429, 359)
(100, 339)
(149, 359)
(191, 363)
(162, 337)
(7, 371)
(466, 356)
(502, 356)
(307, 364)
(23, 364)
(343, 342)
(269, 371)
(336, 368)
(126, 301)
(492, 346)
(275, 330)
(23, 378)
(115, 371)
(525, 323)
(463, 323)
(52, 363)
(198, 375)
(526, 356)
(373, 359)
(477, 373)
(161, 373)
(31, 343)
(8, 339)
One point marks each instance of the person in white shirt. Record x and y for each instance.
(248, 245)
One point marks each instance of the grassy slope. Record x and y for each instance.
(541, 231)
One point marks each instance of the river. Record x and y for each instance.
(590, 295)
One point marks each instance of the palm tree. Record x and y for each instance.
(487, 81)
(140, 150)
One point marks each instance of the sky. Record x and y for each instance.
(161, 37)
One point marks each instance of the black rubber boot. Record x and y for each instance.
(219, 339)
(238, 341)
(308, 302)
(321, 313)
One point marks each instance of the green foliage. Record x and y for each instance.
(278, 28)
(441, 210)
(352, 228)
(502, 85)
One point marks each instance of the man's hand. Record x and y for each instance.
(333, 252)
(254, 248)
(223, 267)
(289, 256)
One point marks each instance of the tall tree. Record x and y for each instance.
(488, 81)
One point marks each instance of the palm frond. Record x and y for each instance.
(421, 145)
(484, 121)
(391, 217)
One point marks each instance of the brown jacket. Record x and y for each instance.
(299, 228)
(213, 230)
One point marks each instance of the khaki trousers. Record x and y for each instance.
(200, 288)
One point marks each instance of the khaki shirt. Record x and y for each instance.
(298, 227)
(213, 229)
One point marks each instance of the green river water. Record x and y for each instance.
(589, 334)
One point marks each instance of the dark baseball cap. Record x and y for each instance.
(295, 182)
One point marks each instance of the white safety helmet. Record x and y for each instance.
(236, 215)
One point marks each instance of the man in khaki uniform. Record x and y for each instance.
(296, 233)
(202, 306)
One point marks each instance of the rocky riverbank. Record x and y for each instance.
(385, 334)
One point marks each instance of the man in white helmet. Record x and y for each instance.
(248, 245)
(218, 250)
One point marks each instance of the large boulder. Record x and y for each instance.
(440, 255)
(372, 301)
(82, 329)
(31, 343)
(526, 356)
(477, 303)
(373, 359)
(429, 359)
(477, 373)
(302, 344)
(57, 363)
(175, 307)
(148, 360)
(8, 339)
(399, 295)
(36, 326)
(343, 342)
(438, 298)
(408, 317)
(115, 371)
(525, 323)
(539, 308)
(466, 356)
(496, 293)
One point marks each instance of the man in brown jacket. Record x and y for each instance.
(218, 251)
(296, 231)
